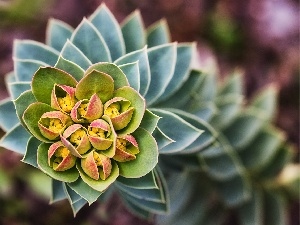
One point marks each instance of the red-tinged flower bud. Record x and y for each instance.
(99, 132)
(63, 98)
(60, 158)
(52, 124)
(96, 165)
(126, 148)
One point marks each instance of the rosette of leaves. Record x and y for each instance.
(247, 174)
(87, 108)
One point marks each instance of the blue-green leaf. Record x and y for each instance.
(149, 121)
(161, 138)
(76, 206)
(84, 190)
(16, 139)
(133, 32)
(30, 156)
(10, 77)
(25, 68)
(141, 57)
(275, 209)
(8, 117)
(206, 111)
(131, 70)
(107, 25)
(70, 67)
(27, 49)
(72, 53)
(232, 85)
(17, 88)
(58, 192)
(88, 39)
(158, 33)
(76, 201)
(182, 132)
(58, 33)
(162, 70)
(145, 214)
(144, 182)
(182, 70)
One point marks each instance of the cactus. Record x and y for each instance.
(119, 107)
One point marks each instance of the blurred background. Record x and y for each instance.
(259, 36)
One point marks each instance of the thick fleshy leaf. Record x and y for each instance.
(232, 85)
(9, 78)
(89, 85)
(112, 70)
(32, 116)
(107, 25)
(58, 192)
(15, 139)
(207, 138)
(25, 68)
(8, 117)
(99, 185)
(87, 38)
(44, 80)
(138, 102)
(275, 209)
(158, 33)
(205, 111)
(76, 201)
(58, 32)
(17, 88)
(131, 70)
(72, 53)
(76, 206)
(21, 104)
(70, 67)
(145, 182)
(145, 160)
(141, 57)
(262, 148)
(251, 212)
(145, 214)
(243, 129)
(182, 70)
(133, 32)
(27, 49)
(162, 70)
(84, 190)
(69, 175)
(149, 121)
(161, 138)
(30, 156)
(182, 132)
(207, 90)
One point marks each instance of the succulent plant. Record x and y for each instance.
(109, 106)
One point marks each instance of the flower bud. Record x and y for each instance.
(63, 98)
(126, 148)
(99, 132)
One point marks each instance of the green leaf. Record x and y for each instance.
(207, 138)
(76, 206)
(232, 85)
(70, 67)
(251, 212)
(141, 57)
(8, 117)
(158, 33)
(145, 182)
(161, 138)
(182, 70)
(89, 85)
(144, 214)
(30, 156)
(15, 139)
(27, 49)
(162, 70)
(262, 148)
(275, 209)
(44, 80)
(182, 132)
(149, 121)
(75, 200)
(138, 102)
(57, 33)
(107, 25)
(131, 70)
(32, 116)
(112, 70)
(72, 53)
(133, 32)
(69, 175)
(145, 160)
(206, 111)
(58, 192)
(25, 68)
(17, 88)
(21, 104)
(206, 90)
(87, 38)
(99, 185)
(85, 191)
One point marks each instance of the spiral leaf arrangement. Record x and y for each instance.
(96, 107)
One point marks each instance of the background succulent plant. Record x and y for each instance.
(182, 97)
